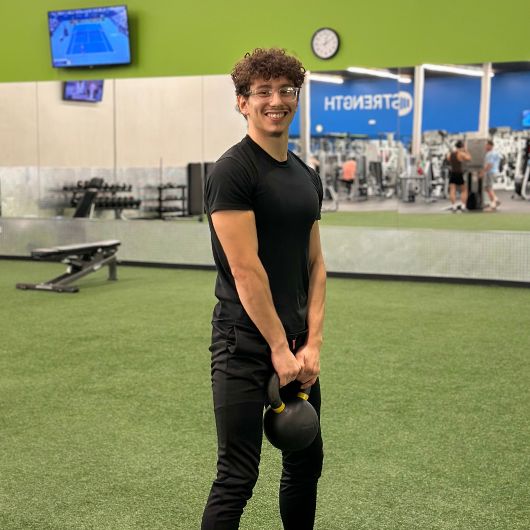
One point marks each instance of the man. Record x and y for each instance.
(490, 172)
(456, 175)
(263, 205)
(349, 170)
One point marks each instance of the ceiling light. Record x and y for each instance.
(460, 70)
(378, 73)
(326, 78)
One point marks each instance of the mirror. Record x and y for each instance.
(451, 111)
(138, 140)
(144, 132)
(353, 144)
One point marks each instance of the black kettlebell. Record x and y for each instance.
(289, 426)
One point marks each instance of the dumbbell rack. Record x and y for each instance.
(108, 197)
(172, 200)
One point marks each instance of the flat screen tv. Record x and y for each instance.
(89, 37)
(526, 118)
(91, 91)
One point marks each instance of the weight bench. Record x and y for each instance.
(81, 260)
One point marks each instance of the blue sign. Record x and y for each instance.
(368, 107)
(526, 118)
(510, 97)
(375, 106)
(451, 104)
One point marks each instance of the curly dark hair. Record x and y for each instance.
(267, 64)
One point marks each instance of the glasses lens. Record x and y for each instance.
(288, 92)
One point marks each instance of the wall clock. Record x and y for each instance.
(325, 43)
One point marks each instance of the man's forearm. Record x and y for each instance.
(253, 288)
(316, 303)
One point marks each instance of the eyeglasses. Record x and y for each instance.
(287, 93)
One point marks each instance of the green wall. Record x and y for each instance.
(194, 37)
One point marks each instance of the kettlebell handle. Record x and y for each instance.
(273, 393)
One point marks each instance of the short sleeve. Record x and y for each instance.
(228, 187)
(317, 181)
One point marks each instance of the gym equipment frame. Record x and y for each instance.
(81, 259)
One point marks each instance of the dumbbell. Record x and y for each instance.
(291, 425)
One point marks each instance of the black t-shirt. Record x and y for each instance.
(286, 198)
(457, 166)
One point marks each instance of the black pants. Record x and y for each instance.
(241, 367)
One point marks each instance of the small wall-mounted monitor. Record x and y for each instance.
(91, 91)
(89, 37)
(526, 118)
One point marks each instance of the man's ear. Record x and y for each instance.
(242, 104)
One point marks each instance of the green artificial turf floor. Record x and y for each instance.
(443, 221)
(106, 420)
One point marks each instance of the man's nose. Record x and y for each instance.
(275, 98)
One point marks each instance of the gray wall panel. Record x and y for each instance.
(430, 253)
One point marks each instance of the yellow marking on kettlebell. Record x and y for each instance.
(303, 395)
(279, 409)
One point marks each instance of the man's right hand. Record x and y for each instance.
(286, 365)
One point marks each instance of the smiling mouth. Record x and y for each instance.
(276, 115)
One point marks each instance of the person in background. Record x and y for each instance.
(456, 159)
(349, 171)
(490, 172)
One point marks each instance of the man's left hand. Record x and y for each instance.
(309, 356)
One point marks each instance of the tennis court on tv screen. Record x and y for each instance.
(88, 38)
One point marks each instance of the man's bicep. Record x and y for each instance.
(236, 231)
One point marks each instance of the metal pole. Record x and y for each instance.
(419, 84)
(305, 119)
(485, 98)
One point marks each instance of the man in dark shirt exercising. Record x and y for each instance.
(456, 160)
(263, 205)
